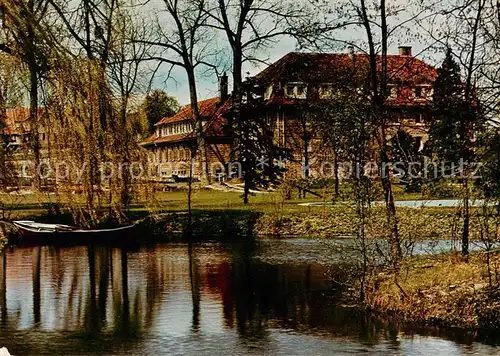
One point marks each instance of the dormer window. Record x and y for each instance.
(393, 91)
(326, 91)
(301, 89)
(289, 91)
(174, 129)
(296, 90)
(423, 92)
(418, 92)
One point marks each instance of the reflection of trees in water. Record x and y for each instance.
(36, 259)
(194, 279)
(297, 297)
(88, 289)
(3, 287)
(110, 297)
(100, 293)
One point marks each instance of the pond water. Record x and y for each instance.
(430, 203)
(272, 297)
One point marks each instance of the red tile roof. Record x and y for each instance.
(335, 67)
(207, 109)
(17, 121)
(211, 111)
(308, 68)
(343, 68)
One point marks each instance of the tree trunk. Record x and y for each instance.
(237, 103)
(200, 149)
(124, 142)
(246, 189)
(305, 168)
(465, 232)
(336, 173)
(395, 245)
(33, 116)
(3, 141)
(188, 229)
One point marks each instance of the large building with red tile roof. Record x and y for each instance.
(299, 79)
(293, 80)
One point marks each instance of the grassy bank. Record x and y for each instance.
(341, 221)
(442, 291)
(277, 216)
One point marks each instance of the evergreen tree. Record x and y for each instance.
(451, 132)
(253, 147)
(452, 126)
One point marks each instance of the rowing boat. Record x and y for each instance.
(40, 233)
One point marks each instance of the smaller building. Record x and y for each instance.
(175, 137)
(18, 130)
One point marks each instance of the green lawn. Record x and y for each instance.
(216, 200)
(18, 206)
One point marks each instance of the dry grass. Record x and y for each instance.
(445, 290)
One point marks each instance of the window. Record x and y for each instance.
(418, 92)
(393, 92)
(296, 90)
(325, 91)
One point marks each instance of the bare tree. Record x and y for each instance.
(250, 26)
(185, 44)
(379, 116)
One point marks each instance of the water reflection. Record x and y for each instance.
(183, 299)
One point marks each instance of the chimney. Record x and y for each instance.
(223, 88)
(350, 50)
(405, 51)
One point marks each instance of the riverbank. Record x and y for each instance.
(341, 221)
(224, 214)
(443, 291)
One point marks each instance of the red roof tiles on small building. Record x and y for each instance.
(207, 109)
(211, 111)
(17, 121)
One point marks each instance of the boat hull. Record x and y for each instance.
(120, 236)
